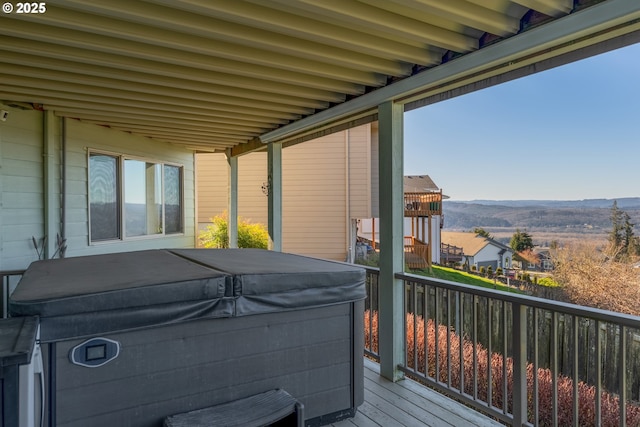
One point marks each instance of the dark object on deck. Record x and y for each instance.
(264, 409)
(132, 338)
(17, 340)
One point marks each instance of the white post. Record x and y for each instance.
(274, 171)
(232, 224)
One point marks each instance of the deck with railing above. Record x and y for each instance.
(422, 204)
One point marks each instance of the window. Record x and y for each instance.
(104, 209)
(131, 198)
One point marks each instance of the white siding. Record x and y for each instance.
(314, 190)
(24, 185)
(82, 137)
(213, 184)
(21, 187)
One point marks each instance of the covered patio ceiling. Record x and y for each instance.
(218, 74)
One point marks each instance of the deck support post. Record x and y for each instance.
(274, 179)
(391, 191)
(232, 209)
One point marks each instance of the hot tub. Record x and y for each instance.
(131, 338)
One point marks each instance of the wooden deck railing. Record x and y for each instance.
(450, 253)
(416, 252)
(422, 204)
(523, 360)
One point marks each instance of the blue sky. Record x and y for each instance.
(569, 133)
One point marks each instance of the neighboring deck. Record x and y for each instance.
(407, 403)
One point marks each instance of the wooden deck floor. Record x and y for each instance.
(407, 403)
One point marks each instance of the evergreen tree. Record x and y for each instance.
(623, 241)
(521, 241)
(616, 235)
(482, 232)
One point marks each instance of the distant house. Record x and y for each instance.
(538, 259)
(480, 251)
(423, 222)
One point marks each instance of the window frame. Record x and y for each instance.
(120, 188)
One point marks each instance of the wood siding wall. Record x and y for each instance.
(21, 187)
(315, 191)
(25, 184)
(82, 137)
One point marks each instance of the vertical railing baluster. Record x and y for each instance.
(574, 324)
(554, 367)
(489, 350)
(475, 347)
(414, 297)
(460, 322)
(448, 338)
(437, 333)
(622, 374)
(505, 374)
(598, 357)
(519, 343)
(536, 353)
(426, 330)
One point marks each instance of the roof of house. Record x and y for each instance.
(470, 242)
(419, 184)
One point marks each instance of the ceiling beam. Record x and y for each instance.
(224, 84)
(179, 49)
(283, 22)
(166, 96)
(155, 108)
(457, 11)
(553, 8)
(531, 46)
(227, 32)
(359, 16)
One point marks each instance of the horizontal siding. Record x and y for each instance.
(314, 197)
(213, 183)
(80, 138)
(314, 190)
(21, 187)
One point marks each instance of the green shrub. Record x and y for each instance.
(482, 270)
(490, 271)
(249, 235)
(473, 267)
(548, 282)
(499, 271)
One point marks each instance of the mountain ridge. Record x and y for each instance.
(586, 215)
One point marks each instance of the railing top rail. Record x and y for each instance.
(545, 304)
(11, 272)
(374, 270)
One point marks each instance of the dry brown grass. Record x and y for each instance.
(591, 277)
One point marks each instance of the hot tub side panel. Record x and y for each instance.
(314, 354)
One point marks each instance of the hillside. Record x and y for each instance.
(578, 217)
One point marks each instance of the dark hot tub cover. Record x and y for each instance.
(269, 281)
(87, 295)
(84, 296)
